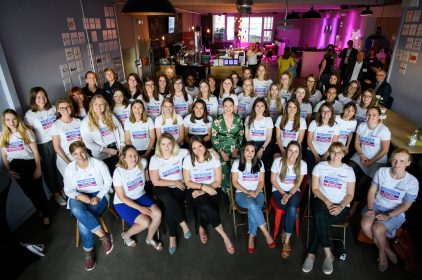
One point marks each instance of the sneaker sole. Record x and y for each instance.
(112, 245)
(327, 272)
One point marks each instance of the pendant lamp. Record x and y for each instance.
(148, 7)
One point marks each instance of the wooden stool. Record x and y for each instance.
(103, 225)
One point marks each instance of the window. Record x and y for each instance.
(219, 27)
(268, 29)
(244, 26)
(230, 28)
(255, 29)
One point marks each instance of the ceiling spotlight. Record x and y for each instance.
(367, 12)
(311, 14)
(156, 7)
(293, 15)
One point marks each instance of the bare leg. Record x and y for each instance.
(155, 221)
(380, 240)
(366, 225)
(184, 227)
(141, 223)
(267, 235)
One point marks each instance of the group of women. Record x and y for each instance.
(157, 146)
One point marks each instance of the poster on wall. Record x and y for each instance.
(399, 54)
(64, 70)
(417, 44)
(416, 16)
(419, 32)
(405, 29)
(69, 54)
(412, 29)
(67, 83)
(97, 23)
(405, 57)
(413, 57)
(402, 68)
(77, 52)
(66, 39)
(409, 16)
(74, 38)
(72, 68)
(81, 38)
(71, 24)
(409, 43)
(94, 37)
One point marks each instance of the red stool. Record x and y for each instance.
(278, 215)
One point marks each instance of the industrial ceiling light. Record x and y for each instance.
(367, 12)
(293, 15)
(311, 14)
(148, 7)
(244, 6)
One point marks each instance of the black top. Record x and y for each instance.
(90, 94)
(329, 63)
(108, 90)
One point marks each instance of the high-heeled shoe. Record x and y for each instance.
(251, 250)
(172, 250)
(128, 241)
(187, 234)
(155, 244)
(271, 245)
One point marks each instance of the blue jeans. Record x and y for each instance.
(87, 215)
(290, 208)
(254, 206)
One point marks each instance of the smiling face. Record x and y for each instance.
(149, 87)
(166, 146)
(284, 80)
(249, 152)
(291, 109)
(300, 94)
(162, 82)
(247, 87)
(259, 108)
(91, 79)
(352, 88)
(190, 81)
(178, 85)
(131, 158)
(366, 98)
(64, 109)
(310, 82)
(41, 100)
(211, 81)
(132, 82)
(204, 88)
(331, 94)
(198, 149)
(77, 96)
(228, 107)
(98, 106)
(11, 121)
(326, 113)
(273, 91)
(137, 109)
(349, 113)
(109, 76)
(372, 116)
(247, 74)
(167, 108)
(292, 153)
(333, 80)
(198, 110)
(261, 72)
(336, 154)
(227, 85)
(235, 78)
(399, 161)
(79, 154)
(118, 97)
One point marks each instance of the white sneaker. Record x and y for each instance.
(60, 200)
(308, 264)
(327, 266)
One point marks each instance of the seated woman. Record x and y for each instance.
(226, 91)
(120, 106)
(248, 178)
(131, 202)
(333, 186)
(169, 121)
(367, 100)
(165, 170)
(261, 83)
(311, 89)
(22, 161)
(202, 175)
(347, 124)
(392, 192)
(302, 97)
(286, 176)
(151, 98)
(86, 184)
(246, 99)
(198, 123)
(275, 102)
(206, 95)
(286, 86)
(181, 99)
(351, 93)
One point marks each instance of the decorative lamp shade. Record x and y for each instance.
(293, 15)
(311, 14)
(244, 6)
(367, 12)
(148, 7)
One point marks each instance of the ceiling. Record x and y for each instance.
(268, 6)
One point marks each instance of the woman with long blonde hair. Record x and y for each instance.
(246, 99)
(169, 121)
(275, 102)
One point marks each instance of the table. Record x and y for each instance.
(401, 129)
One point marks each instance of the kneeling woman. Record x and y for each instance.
(202, 175)
(286, 176)
(392, 192)
(86, 183)
(131, 201)
(165, 169)
(333, 186)
(248, 178)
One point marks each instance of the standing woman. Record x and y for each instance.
(131, 202)
(111, 84)
(227, 135)
(261, 82)
(286, 86)
(289, 127)
(347, 124)
(40, 118)
(286, 177)
(169, 122)
(333, 186)
(275, 102)
(86, 183)
(91, 87)
(165, 171)
(22, 161)
(236, 82)
(80, 102)
(321, 133)
(151, 98)
(215, 90)
(181, 99)
(66, 130)
(133, 87)
(139, 130)
(302, 97)
(162, 86)
(206, 95)
(248, 175)
(227, 90)
(312, 89)
(198, 123)
(392, 193)
(259, 128)
(202, 175)
(246, 99)
(102, 132)
(327, 65)
(285, 62)
(367, 100)
(351, 93)
(120, 106)
(247, 73)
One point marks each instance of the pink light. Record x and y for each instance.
(353, 19)
(321, 39)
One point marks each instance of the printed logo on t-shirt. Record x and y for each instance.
(172, 171)
(367, 141)
(123, 117)
(86, 183)
(173, 130)
(202, 177)
(303, 114)
(290, 134)
(15, 146)
(258, 132)
(142, 134)
(343, 134)
(250, 177)
(153, 109)
(323, 137)
(331, 182)
(260, 91)
(290, 179)
(389, 194)
(197, 130)
(104, 131)
(48, 122)
(180, 107)
(72, 136)
(138, 182)
(360, 118)
(208, 108)
(242, 107)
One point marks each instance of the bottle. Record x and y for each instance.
(413, 138)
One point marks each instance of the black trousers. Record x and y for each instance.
(33, 188)
(173, 200)
(48, 165)
(208, 208)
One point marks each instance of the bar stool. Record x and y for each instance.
(278, 217)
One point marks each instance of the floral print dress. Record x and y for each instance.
(227, 140)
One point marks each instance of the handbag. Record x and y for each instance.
(405, 249)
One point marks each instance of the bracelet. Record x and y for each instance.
(370, 209)
(341, 206)
(263, 148)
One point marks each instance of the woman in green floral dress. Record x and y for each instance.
(227, 135)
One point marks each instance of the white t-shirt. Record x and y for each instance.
(198, 127)
(274, 113)
(41, 122)
(107, 135)
(169, 127)
(346, 127)
(68, 132)
(285, 94)
(305, 109)
(247, 179)
(338, 106)
(139, 133)
(212, 105)
(238, 89)
(333, 180)
(221, 100)
(132, 181)
(169, 169)
(122, 113)
(370, 140)
(194, 92)
(315, 98)
(392, 192)
(245, 105)
(204, 172)
(17, 149)
(288, 135)
(360, 114)
(344, 99)
(153, 107)
(258, 129)
(261, 87)
(181, 106)
(289, 180)
(323, 136)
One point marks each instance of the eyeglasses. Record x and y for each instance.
(63, 108)
(149, 85)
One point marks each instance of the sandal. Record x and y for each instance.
(285, 252)
(203, 236)
(283, 237)
(155, 244)
(229, 246)
(391, 256)
(127, 240)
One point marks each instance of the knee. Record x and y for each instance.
(378, 230)
(156, 214)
